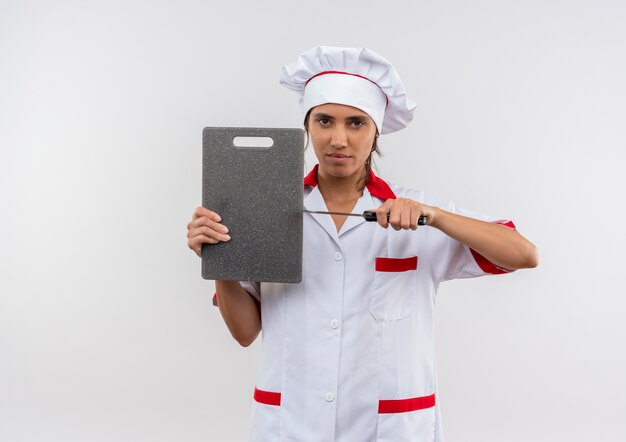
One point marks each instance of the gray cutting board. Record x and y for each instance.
(258, 193)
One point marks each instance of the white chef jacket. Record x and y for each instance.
(347, 354)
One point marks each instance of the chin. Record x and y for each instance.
(341, 171)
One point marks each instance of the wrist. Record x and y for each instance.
(436, 217)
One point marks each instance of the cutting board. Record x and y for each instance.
(258, 193)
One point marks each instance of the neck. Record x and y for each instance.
(339, 190)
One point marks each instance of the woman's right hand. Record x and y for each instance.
(205, 228)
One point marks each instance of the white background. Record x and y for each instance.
(107, 332)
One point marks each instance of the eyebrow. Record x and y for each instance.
(362, 118)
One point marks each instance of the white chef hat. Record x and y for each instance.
(355, 77)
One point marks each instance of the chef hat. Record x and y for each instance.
(355, 77)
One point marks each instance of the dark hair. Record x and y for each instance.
(368, 163)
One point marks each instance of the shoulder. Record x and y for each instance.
(447, 205)
(421, 197)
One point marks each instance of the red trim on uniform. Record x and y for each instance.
(376, 186)
(508, 224)
(266, 397)
(339, 72)
(406, 405)
(396, 264)
(486, 265)
(215, 299)
(354, 75)
(379, 188)
(311, 178)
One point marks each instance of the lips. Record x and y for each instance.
(338, 159)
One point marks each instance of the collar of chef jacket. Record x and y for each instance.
(314, 201)
(376, 186)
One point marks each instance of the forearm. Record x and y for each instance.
(240, 311)
(501, 245)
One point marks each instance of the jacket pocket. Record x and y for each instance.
(410, 423)
(265, 422)
(395, 284)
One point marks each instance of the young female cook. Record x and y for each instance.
(348, 353)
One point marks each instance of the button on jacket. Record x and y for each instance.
(348, 353)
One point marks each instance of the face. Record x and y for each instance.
(342, 138)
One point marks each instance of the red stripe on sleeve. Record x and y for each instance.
(507, 223)
(215, 299)
(266, 397)
(486, 265)
(396, 264)
(406, 405)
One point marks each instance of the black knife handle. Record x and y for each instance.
(370, 215)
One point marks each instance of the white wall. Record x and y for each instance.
(106, 327)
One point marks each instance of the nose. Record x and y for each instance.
(339, 137)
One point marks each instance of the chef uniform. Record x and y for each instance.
(348, 353)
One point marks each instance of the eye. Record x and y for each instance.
(323, 121)
(357, 123)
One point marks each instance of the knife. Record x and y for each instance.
(369, 215)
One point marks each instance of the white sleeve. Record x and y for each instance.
(446, 257)
(253, 288)
(452, 259)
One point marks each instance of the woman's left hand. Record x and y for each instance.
(404, 213)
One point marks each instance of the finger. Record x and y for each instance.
(381, 214)
(197, 243)
(405, 216)
(203, 211)
(198, 240)
(207, 222)
(395, 216)
(415, 214)
(209, 233)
